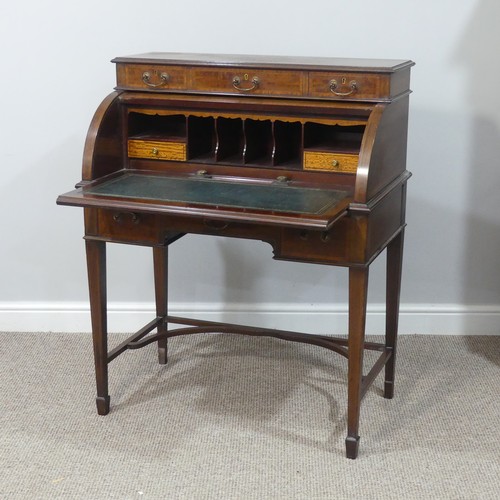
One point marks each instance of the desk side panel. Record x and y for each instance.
(386, 219)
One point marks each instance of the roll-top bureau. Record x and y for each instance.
(306, 154)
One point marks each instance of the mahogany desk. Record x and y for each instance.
(307, 154)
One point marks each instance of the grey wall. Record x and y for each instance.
(56, 70)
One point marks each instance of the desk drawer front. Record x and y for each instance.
(150, 77)
(157, 150)
(332, 162)
(332, 85)
(348, 85)
(129, 227)
(341, 245)
(249, 82)
(152, 229)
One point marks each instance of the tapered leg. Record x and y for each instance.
(96, 267)
(160, 259)
(393, 287)
(358, 289)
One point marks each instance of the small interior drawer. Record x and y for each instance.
(157, 150)
(333, 162)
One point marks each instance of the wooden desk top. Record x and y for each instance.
(269, 61)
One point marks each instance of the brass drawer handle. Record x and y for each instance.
(217, 225)
(119, 217)
(237, 83)
(146, 78)
(333, 85)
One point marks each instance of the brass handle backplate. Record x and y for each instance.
(146, 78)
(333, 86)
(237, 82)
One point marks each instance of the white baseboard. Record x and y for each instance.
(447, 319)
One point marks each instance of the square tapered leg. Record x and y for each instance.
(394, 267)
(160, 261)
(358, 290)
(96, 268)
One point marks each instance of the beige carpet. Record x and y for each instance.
(234, 417)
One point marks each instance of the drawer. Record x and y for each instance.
(341, 245)
(157, 150)
(313, 245)
(150, 229)
(130, 227)
(150, 77)
(350, 86)
(251, 81)
(333, 162)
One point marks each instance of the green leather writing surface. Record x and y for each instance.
(269, 197)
